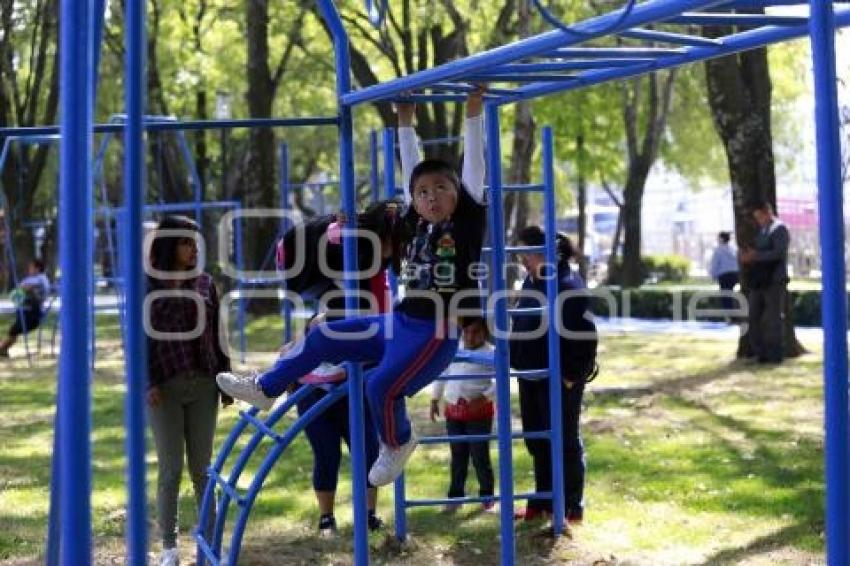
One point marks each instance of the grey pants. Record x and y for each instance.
(186, 416)
(766, 321)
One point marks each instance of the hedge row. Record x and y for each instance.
(672, 304)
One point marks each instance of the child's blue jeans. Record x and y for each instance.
(409, 352)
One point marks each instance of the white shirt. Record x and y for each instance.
(473, 157)
(723, 260)
(468, 389)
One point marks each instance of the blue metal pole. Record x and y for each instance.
(53, 542)
(388, 147)
(136, 341)
(500, 318)
(284, 226)
(240, 264)
(75, 192)
(553, 337)
(349, 207)
(834, 302)
(373, 165)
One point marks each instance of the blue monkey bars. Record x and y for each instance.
(582, 67)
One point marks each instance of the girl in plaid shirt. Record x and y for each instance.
(183, 358)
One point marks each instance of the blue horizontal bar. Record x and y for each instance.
(33, 140)
(518, 249)
(669, 37)
(261, 426)
(467, 88)
(520, 78)
(614, 52)
(524, 188)
(531, 374)
(749, 20)
(571, 65)
(531, 311)
(226, 487)
(190, 125)
(471, 499)
(175, 207)
(465, 376)
(426, 98)
(643, 13)
(749, 39)
(537, 434)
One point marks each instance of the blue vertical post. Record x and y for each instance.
(500, 318)
(399, 488)
(349, 207)
(373, 165)
(75, 194)
(135, 349)
(834, 302)
(284, 225)
(556, 439)
(239, 259)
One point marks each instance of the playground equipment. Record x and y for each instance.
(564, 65)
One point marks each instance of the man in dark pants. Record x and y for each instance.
(768, 262)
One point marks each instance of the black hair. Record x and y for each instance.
(38, 264)
(470, 320)
(384, 218)
(724, 237)
(164, 248)
(763, 205)
(535, 236)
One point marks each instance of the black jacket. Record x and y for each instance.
(770, 265)
(578, 349)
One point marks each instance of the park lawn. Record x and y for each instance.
(692, 459)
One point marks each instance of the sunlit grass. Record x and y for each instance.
(692, 458)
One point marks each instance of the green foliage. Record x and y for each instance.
(658, 268)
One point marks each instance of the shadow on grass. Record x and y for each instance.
(762, 545)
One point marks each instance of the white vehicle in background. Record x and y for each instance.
(599, 236)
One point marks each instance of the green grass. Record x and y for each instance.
(692, 459)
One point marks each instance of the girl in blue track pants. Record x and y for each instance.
(444, 229)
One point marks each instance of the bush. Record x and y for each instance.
(669, 304)
(657, 268)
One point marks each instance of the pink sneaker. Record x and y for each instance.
(325, 373)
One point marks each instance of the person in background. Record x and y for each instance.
(723, 268)
(33, 291)
(468, 410)
(182, 394)
(768, 278)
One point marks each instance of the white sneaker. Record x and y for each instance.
(169, 557)
(244, 387)
(390, 462)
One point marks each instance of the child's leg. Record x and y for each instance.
(414, 357)
(481, 456)
(459, 458)
(355, 340)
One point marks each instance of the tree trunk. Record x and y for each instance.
(739, 95)
(641, 156)
(581, 190)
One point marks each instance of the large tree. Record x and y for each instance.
(29, 96)
(739, 95)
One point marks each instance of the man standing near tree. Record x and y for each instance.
(768, 263)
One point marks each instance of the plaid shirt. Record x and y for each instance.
(167, 358)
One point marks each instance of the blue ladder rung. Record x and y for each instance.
(226, 487)
(531, 373)
(472, 499)
(524, 188)
(518, 249)
(540, 434)
(529, 311)
(205, 548)
(462, 376)
(261, 426)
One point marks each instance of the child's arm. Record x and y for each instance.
(408, 145)
(473, 146)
